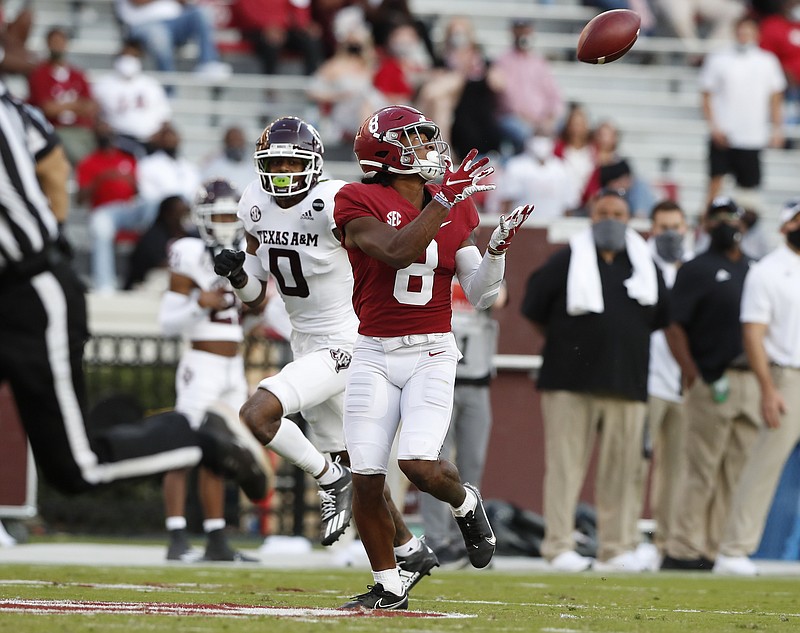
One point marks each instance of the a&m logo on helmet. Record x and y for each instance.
(393, 218)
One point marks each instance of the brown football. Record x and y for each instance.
(608, 36)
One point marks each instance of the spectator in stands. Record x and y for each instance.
(574, 145)
(602, 289)
(618, 175)
(403, 65)
(62, 92)
(164, 173)
(755, 242)
(770, 316)
(721, 392)
(780, 34)
(462, 92)
(642, 7)
(530, 100)
(386, 15)
(276, 26)
(165, 25)
(342, 86)
(151, 250)
(538, 170)
(17, 58)
(666, 414)
(234, 163)
(107, 184)
(134, 104)
(742, 88)
(686, 16)
(605, 141)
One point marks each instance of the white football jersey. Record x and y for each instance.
(189, 257)
(298, 248)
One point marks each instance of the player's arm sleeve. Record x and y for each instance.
(480, 277)
(179, 312)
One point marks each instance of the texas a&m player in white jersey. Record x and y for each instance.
(288, 218)
(201, 306)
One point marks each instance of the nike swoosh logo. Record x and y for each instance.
(380, 604)
(436, 353)
(457, 182)
(445, 223)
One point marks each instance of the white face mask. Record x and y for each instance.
(128, 66)
(540, 147)
(795, 13)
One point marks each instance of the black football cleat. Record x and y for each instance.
(477, 532)
(377, 598)
(336, 506)
(218, 549)
(179, 548)
(416, 565)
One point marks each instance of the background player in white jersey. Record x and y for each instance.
(406, 238)
(201, 306)
(288, 217)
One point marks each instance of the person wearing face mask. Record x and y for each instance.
(665, 427)
(233, 163)
(596, 303)
(134, 104)
(539, 170)
(404, 65)
(770, 315)
(720, 391)
(530, 99)
(742, 89)
(62, 92)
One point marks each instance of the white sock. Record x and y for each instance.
(212, 525)
(290, 443)
(406, 549)
(390, 579)
(333, 473)
(469, 505)
(175, 523)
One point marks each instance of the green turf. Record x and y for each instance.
(499, 601)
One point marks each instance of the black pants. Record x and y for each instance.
(43, 328)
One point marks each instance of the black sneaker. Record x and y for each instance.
(682, 564)
(477, 532)
(180, 549)
(377, 598)
(218, 549)
(336, 506)
(416, 565)
(230, 450)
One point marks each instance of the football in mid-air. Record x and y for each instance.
(608, 36)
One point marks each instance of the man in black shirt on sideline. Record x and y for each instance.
(596, 303)
(722, 396)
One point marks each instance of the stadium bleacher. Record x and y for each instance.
(651, 94)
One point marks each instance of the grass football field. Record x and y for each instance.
(36, 598)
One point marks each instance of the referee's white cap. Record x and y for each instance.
(790, 209)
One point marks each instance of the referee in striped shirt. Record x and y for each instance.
(43, 328)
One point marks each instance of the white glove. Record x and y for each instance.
(504, 233)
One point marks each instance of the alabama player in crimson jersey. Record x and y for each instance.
(406, 239)
(288, 217)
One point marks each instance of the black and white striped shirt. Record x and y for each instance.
(27, 224)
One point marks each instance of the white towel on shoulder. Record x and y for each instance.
(584, 290)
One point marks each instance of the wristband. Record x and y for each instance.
(495, 254)
(439, 197)
(250, 291)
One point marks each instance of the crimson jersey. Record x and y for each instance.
(415, 299)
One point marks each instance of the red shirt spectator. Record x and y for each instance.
(106, 175)
(61, 91)
(781, 36)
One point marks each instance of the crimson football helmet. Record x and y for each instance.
(288, 137)
(214, 213)
(389, 139)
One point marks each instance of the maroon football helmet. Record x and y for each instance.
(389, 139)
(289, 137)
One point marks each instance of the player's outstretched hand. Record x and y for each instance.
(504, 233)
(460, 184)
(230, 263)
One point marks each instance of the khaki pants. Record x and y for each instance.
(571, 423)
(753, 495)
(668, 425)
(718, 441)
